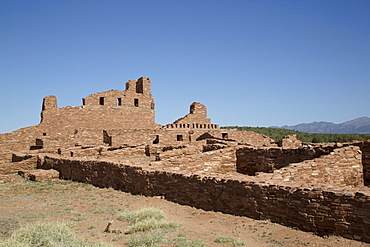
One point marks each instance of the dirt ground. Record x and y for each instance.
(90, 208)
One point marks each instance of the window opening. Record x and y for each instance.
(101, 101)
(136, 102)
(83, 101)
(39, 142)
(156, 141)
(180, 138)
(119, 101)
(139, 86)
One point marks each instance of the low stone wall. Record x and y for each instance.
(266, 159)
(342, 167)
(322, 209)
(17, 157)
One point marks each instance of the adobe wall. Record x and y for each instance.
(318, 208)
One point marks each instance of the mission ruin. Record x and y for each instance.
(112, 140)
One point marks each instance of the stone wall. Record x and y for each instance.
(318, 208)
(342, 167)
(71, 118)
(114, 109)
(266, 159)
(290, 141)
(365, 149)
(197, 115)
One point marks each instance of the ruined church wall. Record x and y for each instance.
(114, 109)
(131, 137)
(116, 98)
(65, 120)
(321, 209)
(197, 115)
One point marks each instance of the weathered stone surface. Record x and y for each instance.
(320, 208)
(290, 141)
(39, 175)
(113, 141)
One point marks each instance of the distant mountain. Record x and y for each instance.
(356, 126)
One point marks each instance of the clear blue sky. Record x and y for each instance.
(252, 63)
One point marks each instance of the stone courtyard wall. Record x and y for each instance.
(318, 208)
(342, 167)
(266, 159)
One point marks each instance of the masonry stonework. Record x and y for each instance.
(321, 209)
(112, 140)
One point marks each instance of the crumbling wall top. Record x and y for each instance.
(49, 102)
(198, 114)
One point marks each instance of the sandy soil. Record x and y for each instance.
(89, 208)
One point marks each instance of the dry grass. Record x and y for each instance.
(47, 235)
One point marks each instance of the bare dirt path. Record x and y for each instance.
(90, 208)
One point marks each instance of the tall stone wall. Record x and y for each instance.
(321, 209)
(197, 115)
(114, 109)
(365, 149)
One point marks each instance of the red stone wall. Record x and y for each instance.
(365, 149)
(266, 159)
(197, 115)
(342, 167)
(114, 109)
(248, 137)
(321, 209)
(290, 141)
(69, 118)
